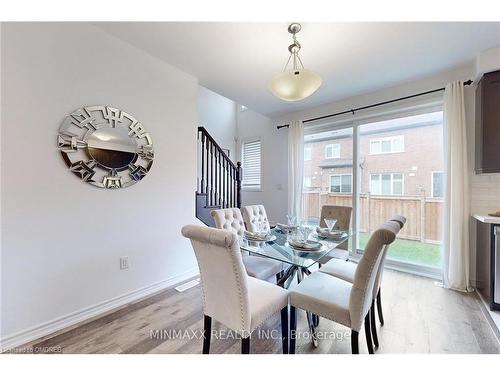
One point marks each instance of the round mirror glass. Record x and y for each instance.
(112, 147)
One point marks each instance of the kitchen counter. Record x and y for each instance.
(487, 219)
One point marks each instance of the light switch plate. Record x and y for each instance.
(124, 263)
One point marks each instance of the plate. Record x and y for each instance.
(269, 238)
(333, 235)
(285, 227)
(308, 246)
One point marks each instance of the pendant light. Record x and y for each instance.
(295, 83)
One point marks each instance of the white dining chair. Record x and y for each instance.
(341, 301)
(232, 298)
(259, 267)
(346, 271)
(255, 218)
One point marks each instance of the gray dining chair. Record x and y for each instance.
(346, 271)
(232, 298)
(259, 267)
(338, 300)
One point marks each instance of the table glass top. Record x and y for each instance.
(280, 249)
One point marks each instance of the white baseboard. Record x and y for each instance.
(58, 324)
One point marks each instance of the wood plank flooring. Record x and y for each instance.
(420, 317)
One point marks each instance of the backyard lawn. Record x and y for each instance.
(411, 251)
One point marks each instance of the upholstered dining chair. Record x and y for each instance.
(341, 301)
(259, 267)
(232, 298)
(346, 271)
(343, 216)
(255, 217)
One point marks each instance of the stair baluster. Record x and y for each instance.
(219, 185)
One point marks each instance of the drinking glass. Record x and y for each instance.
(305, 232)
(291, 219)
(330, 223)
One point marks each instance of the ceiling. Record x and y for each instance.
(238, 59)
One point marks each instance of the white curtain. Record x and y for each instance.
(295, 167)
(456, 229)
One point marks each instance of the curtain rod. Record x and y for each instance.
(466, 83)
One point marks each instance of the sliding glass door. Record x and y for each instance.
(397, 164)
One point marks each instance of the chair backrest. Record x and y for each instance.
(255, 215)
(343, 216)
(400, 221)
(360, 299)
(223, 276)
(341, 213)
(230, 219)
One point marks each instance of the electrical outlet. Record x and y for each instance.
(124, 263)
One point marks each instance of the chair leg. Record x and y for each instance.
(293, 329)
(284, 329)
(368, 333)
(354, 342)
(207, 333)
(245, 345)
(373, 325)
(379, 308)
(279, 275)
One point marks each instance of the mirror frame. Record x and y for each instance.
(72, 143)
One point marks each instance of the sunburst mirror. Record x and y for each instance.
(105, 146)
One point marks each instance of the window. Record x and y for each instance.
(437, 184)
(332, 151)
(307, 153)
(307, 182)
(341, 183)
(386, 184)
(251, 161)
(387, 145)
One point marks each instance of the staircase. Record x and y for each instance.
(219, 179)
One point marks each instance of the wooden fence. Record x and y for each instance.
(424, 215)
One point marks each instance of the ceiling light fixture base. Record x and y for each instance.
(294, 28)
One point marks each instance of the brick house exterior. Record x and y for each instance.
(413, 166)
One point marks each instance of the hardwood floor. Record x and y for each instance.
(420, 317)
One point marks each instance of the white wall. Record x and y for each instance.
(274, 163)
(62, 238)
(218, 115)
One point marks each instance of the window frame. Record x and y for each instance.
(242, 148)
(432, 183)
(392, 184)
(339, 175)
(331, 146)
(309, 154)
(391, 139)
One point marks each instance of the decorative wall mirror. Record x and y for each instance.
(105, 146)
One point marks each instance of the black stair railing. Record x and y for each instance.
(218, 177)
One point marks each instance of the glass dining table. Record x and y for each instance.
(298, 262)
